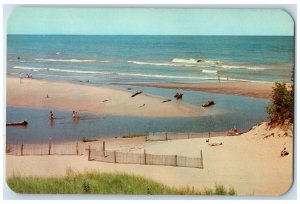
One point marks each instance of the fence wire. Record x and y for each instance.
(51, 148)
(145, 159)
(160, 136)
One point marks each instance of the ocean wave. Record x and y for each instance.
(65, 60)
(29, 68)
(152, 63)
(178, 62)
(76, 71)
(245, 67)
(61, 70)
(196, 61)
(210, 71)
(139, 74)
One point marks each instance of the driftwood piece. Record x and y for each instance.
(137, 93)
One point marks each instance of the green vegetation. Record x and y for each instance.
(281, 110)
(104, 183)
(85, 139)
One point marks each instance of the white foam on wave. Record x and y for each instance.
(195, 61)
(29, 68)
(60, 70)
(65, 60)
(76, 71)
(210, 71)
(179, 60)
(176, 62)
(152, 63)
(244, 67)
(139, 74)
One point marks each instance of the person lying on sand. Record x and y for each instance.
(284, 152)
(215, 143)
(142, 105)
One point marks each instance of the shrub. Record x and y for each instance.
(281, 108)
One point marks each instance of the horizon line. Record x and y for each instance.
(151, 35)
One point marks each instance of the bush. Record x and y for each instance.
(281, 109)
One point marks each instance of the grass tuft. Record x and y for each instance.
(104, 183)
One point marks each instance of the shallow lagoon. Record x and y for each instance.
(229, 111)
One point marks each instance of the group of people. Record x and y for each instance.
(74, 115)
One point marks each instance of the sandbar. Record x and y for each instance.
(251, 89)
(93, 99)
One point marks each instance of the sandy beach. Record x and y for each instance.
(251, 89)
(87, 98)
(250, 163)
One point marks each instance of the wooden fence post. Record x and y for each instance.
(103, 147)
(145, 157)
(89, 155)
(175, 159)
(201, 157)
(115, 157)
(22, 147)
(49, 150)
(77, 150)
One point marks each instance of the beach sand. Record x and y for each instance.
(252, 89)
(93, 99)
(250, 163)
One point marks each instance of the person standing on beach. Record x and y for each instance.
(218, 78)
(51, 115)
(75, 115)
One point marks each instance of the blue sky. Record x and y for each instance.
(149, 21)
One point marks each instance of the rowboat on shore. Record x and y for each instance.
(208, 103)
(20, 123)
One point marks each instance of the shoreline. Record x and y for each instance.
(68, 96)
(247, 89)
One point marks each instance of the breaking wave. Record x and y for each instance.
(178, 62)
(152, 63)
(65, 60)
(136, 74)
(210, 71)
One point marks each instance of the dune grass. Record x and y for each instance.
(104, 183)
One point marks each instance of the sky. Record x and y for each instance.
(149, 21)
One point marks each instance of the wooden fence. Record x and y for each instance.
(145, 158)
(163, 136)
(69, 148)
